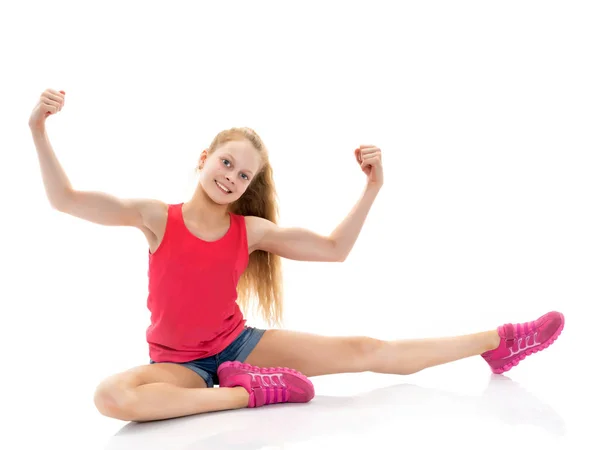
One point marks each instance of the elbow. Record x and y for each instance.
(62, 204)
(58, 206)
(338, 254)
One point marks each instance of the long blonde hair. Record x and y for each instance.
(263, 276)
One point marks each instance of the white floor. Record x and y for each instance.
(389, 412)
(461, 405)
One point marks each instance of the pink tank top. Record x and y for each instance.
(192, 291)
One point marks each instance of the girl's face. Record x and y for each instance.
(227, 173)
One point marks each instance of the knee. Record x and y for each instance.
(115, 400)
(364, 350)
(374, 355)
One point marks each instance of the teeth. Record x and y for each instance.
(223, 187)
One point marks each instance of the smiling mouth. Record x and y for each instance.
(223, 188)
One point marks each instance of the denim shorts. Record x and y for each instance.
(238, 350)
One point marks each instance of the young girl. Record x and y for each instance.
(210, 255)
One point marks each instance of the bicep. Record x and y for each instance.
(296, 243)
(106, 209)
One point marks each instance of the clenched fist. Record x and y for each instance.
(50, 102)
(369, 159)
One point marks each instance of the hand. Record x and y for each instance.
(50, 103)
(369, 158)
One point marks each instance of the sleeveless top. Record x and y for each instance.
(192, 291)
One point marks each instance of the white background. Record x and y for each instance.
(487, 116)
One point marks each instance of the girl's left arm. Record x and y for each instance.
(305, 245)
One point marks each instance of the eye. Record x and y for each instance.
(227, 163)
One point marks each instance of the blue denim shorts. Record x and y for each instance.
(238, 350)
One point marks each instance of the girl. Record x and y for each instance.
(209, 255)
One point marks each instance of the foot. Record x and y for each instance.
(266, 385)
(517, 341)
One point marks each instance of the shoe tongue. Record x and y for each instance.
(507, 331)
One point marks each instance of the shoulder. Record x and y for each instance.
(258, 224)
(256, 228)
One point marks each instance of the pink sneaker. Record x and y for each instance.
(517, 341)
(266, 385)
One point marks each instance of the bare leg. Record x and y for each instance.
(162, 391)
(163, 400)
(321, 355)
(410, 356)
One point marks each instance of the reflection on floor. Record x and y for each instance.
(397, 416)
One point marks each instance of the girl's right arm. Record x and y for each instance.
(97, 207)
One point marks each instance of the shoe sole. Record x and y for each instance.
(522, 356)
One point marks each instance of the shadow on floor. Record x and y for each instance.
(397, 406)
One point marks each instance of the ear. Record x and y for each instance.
(203, 157)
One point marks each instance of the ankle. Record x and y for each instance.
(494, 341)
(241, 395)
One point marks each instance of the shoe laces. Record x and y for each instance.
(519, 331)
